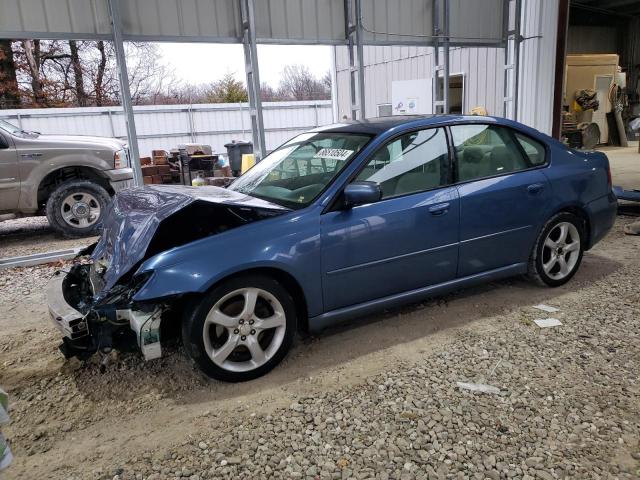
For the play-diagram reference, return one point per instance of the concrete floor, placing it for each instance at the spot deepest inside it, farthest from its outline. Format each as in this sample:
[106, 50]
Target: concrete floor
[625, 165]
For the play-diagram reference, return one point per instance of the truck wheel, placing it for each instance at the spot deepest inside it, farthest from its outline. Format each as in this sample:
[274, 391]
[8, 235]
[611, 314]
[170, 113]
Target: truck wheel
[75, 208]
[241, 329]
[558, 251]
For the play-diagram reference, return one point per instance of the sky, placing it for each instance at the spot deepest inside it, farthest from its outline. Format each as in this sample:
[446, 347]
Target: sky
[196, 63]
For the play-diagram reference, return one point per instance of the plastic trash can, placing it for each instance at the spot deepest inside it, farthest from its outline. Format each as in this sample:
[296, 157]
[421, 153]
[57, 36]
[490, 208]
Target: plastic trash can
[235, 150]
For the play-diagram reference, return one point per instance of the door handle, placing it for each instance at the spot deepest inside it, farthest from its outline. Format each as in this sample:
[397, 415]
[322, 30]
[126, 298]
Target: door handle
[30, 155]
[535, 188]
[439, 209]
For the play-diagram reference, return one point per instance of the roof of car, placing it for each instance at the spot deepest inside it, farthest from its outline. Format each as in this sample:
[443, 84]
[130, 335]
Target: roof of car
[378, 125]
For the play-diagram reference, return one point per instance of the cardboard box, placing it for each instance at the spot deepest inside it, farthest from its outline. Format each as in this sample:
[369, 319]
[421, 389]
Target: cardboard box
[157, 178]
[163, 169]
[158, 153]
[145, 160]
[160, 161]
[147, 179]
[167, 178]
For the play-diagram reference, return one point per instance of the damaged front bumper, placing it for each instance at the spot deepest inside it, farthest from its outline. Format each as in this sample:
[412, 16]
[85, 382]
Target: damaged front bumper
[89, 327]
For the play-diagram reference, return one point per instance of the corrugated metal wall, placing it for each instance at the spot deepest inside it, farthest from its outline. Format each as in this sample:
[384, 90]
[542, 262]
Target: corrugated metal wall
[166, 126]
[592, 39]
[483, 69]
[537, 64]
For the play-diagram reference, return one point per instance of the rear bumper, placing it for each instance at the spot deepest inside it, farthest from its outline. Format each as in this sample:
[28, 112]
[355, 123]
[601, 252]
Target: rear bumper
[602, 216]
[67, 319]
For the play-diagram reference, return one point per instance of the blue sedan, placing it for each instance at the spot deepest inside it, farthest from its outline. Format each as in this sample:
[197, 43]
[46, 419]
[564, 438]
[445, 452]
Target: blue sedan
[338, 222]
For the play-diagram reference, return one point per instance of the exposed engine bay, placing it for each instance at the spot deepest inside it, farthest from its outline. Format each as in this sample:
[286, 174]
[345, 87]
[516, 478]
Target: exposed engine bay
[93, 304]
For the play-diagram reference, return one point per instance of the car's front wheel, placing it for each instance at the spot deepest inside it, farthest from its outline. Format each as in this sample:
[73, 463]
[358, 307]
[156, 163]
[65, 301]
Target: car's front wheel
[75, 208]
[558, 251]
[241, 329]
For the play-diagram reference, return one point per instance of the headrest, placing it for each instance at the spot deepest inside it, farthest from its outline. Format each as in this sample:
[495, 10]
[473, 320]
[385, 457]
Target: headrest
[473, 154]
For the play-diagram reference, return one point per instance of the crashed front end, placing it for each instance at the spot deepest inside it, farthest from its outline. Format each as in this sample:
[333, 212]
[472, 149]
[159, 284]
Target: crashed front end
[115, 321]
[94, 305]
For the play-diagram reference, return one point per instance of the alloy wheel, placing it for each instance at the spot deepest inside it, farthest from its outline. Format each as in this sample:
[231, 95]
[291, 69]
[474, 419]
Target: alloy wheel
[244, 329]
[80, 210]
[561, 250]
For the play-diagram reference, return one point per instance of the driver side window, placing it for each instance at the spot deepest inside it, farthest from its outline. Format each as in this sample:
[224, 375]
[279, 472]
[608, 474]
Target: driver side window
[415, 162]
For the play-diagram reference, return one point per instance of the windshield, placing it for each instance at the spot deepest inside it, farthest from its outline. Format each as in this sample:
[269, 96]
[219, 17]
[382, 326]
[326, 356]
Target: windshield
[9, 128]
[297, 172]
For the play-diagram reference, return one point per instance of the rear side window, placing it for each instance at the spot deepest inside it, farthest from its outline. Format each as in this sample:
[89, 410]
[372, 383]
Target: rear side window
[534, 150]
[485, 150]
[415, 162]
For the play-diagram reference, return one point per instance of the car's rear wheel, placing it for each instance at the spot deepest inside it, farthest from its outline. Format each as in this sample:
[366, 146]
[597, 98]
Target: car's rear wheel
[558, 252]
[241, 329]
[76, 208]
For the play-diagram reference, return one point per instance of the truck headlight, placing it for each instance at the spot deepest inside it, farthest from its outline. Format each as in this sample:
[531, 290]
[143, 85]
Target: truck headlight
[120, 159]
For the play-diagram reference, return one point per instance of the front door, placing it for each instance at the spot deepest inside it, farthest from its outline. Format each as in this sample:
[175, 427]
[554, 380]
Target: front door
[9, 174]
[405, 241]
[504, 198]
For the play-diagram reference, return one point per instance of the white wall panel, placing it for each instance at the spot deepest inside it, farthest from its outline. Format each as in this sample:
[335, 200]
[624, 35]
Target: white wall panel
[537, 64]
[482, 68]
[166, 126]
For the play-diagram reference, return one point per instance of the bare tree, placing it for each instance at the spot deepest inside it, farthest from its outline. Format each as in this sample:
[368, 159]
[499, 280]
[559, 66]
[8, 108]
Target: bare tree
[78, 74]
[298, 83]
[9, 93]
[32, 54]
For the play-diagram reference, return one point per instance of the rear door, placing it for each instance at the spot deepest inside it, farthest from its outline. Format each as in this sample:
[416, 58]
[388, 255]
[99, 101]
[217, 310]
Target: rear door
[405, 241]
[9, 174]
[504, 196]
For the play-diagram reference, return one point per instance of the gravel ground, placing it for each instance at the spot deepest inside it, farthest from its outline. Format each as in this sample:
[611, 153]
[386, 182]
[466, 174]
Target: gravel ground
[376, 400]
[29, 235]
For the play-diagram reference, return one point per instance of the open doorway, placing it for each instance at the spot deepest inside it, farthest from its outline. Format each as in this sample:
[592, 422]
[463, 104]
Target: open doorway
[601, 87]
[456, 92]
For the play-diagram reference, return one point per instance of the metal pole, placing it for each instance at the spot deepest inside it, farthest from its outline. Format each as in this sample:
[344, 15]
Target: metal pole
[360, 53]
[445, 89]
[253, 77]
[121, 61]
[516, 58]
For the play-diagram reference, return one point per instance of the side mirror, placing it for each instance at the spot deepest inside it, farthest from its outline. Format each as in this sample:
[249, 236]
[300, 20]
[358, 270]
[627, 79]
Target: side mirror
[360, 193]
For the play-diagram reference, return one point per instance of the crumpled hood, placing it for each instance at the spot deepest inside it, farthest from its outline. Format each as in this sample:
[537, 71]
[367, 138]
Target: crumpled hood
[135, 215]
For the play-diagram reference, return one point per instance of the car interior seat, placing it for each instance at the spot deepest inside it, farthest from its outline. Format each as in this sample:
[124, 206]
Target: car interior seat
[418, 180]
[502, 160]
[470, 163]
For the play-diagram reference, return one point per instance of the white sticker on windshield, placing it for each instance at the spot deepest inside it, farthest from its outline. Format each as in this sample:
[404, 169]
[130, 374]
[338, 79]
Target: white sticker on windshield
[333, 153]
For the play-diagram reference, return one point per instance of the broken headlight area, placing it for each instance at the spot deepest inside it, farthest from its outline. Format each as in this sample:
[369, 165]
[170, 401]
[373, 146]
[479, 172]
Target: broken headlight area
[114, 321]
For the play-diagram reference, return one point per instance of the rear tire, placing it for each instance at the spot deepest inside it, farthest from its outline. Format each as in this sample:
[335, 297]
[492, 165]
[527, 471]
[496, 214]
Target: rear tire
[241, 329]
[558, 251]
[76, 208]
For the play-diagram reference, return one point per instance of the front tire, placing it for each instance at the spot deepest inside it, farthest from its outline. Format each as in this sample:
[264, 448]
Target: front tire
[76, 208]
[241, 329]
[558, 251]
